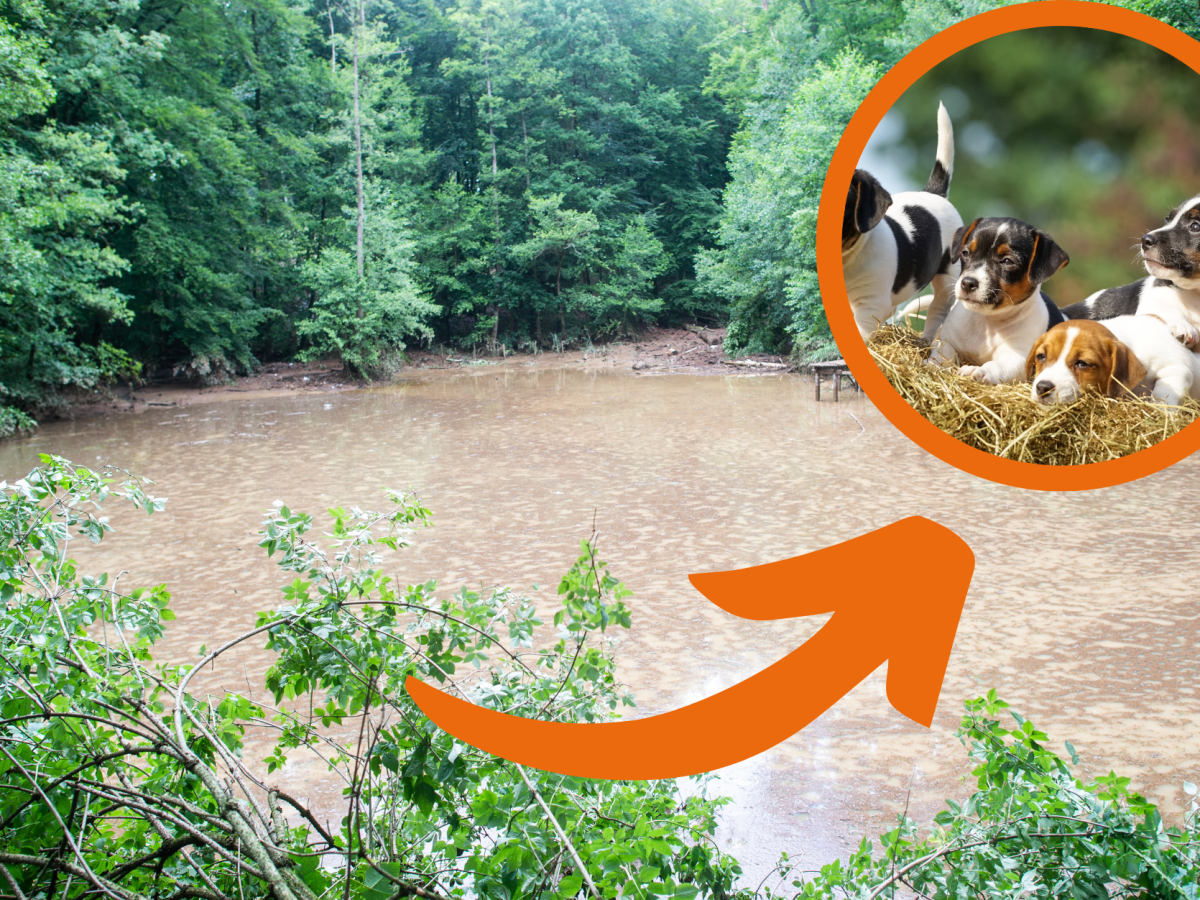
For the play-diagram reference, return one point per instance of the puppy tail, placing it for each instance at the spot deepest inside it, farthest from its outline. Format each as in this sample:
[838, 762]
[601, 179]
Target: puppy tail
[943, 169]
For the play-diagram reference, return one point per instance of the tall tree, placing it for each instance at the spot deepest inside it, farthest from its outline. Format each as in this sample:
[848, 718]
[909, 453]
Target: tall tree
[59, 201]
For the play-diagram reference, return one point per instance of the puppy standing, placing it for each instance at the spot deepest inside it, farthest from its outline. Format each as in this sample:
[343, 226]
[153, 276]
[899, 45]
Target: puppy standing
[1001, 310]
[1112, 357]
[1171, 254]
[884, 266]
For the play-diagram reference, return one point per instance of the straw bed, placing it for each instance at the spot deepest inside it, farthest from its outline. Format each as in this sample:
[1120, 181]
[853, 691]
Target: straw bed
[1003, 420]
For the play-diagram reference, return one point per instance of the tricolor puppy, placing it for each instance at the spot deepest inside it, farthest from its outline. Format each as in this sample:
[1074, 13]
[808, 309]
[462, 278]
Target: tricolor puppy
[1114, 358]
[1000, 310]
[1171, 255]
[893, 246]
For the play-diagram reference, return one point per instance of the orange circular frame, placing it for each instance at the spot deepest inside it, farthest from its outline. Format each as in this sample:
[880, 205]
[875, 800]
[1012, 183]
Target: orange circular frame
[829, 255]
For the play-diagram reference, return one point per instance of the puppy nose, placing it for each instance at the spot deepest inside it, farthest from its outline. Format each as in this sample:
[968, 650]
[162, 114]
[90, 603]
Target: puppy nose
[968, 283]
[1149, 240]
[1044, 387]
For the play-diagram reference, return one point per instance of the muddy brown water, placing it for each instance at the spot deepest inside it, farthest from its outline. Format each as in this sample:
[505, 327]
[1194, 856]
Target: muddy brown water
[1083, 612]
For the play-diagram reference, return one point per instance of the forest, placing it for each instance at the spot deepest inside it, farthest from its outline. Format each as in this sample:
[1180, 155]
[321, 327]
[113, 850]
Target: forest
[193, 188]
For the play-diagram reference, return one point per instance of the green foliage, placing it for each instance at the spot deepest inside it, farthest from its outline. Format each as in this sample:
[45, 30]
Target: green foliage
[13, 421]
[176, 180]
[58, 201]
[600, 106]
[364, 321]
[114, 779]
[1031, 829]
[766, 263]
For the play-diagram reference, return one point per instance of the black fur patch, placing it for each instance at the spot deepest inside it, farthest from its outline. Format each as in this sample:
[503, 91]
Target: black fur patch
[920, 258]
[939, 180]
[1118, 301]
[1056, 314]
[944, 266]
[866, 204]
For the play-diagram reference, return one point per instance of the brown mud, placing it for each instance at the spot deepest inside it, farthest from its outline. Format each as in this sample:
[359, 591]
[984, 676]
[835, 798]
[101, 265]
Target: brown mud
[694, 350]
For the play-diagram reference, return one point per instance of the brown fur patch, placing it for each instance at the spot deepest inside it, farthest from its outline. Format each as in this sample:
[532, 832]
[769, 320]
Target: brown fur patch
[1096, 359]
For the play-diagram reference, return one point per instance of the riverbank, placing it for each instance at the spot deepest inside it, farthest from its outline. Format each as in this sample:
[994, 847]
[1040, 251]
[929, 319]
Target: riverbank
[657, 351]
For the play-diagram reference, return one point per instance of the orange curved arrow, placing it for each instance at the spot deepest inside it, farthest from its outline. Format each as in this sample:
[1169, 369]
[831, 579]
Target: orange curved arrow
[884, 608]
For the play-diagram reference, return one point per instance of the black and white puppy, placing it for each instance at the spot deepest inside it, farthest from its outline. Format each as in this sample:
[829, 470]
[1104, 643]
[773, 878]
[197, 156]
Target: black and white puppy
[1171, 255]
[884, 266]
[1000, 310]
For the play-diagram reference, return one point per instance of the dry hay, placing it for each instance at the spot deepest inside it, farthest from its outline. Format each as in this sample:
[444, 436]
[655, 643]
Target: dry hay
[1003, 420]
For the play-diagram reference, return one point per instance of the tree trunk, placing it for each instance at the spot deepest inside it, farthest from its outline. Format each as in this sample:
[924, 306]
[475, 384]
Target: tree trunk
[562, 309]
[487, 62]
[332, 43]
[525, 135]
[358, 157]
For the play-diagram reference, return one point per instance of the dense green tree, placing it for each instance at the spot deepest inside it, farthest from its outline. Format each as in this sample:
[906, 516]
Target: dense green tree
[58, 200]
[766, 262]
[192, 187]
[366, 300]
[602, 106]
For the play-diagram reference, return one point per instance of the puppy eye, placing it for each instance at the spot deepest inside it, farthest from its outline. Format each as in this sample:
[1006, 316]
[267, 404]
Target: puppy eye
[1041, 357]
[1082, 364]
[1195, 226]
[966, 253]
[1009, 261]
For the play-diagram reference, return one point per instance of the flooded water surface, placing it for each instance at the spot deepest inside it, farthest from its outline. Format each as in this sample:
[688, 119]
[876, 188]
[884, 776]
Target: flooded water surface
[1083, 612]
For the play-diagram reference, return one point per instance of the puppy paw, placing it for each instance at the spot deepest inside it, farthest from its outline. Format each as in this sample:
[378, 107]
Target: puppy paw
[979, 373]
[1186, 335]
[1166, 395]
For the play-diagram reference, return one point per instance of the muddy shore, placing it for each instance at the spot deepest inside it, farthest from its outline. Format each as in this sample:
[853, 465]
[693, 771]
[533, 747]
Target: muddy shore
[657, 351]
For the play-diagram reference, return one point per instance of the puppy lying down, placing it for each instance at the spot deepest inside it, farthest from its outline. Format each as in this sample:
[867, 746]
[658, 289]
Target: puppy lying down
[1116, 357]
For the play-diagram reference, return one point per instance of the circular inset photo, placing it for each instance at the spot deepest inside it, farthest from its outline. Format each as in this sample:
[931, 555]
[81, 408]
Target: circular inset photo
[1020, 246]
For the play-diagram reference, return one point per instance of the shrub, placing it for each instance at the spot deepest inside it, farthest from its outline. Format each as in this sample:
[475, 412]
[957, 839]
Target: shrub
[115, 780]
[1031, 830]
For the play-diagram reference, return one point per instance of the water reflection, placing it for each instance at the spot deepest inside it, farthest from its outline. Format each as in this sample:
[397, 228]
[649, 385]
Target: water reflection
[1082, 612]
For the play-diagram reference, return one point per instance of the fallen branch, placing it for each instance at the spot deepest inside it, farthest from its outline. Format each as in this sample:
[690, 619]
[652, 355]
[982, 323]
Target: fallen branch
[753, 363]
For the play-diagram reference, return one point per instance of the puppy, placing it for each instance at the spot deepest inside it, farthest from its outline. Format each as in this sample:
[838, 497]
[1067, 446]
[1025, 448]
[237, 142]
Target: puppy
[884, 266]
[1000, 310]
[1113, 357]
[1171, 255]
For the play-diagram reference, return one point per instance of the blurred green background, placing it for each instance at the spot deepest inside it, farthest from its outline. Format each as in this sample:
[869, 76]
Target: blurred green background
[1088, 135]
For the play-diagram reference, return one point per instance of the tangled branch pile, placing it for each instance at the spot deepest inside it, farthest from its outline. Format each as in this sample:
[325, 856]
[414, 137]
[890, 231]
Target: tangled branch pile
[117, 782]
[1003, 420]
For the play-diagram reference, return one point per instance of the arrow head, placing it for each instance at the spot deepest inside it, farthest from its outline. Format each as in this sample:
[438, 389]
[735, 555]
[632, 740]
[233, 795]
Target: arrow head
[892, 610]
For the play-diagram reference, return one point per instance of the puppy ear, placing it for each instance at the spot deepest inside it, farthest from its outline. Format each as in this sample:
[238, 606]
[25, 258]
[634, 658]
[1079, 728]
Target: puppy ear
[956, 242]
[872, 200]
[1047, 258]
[1128, 372]
[1031, 361]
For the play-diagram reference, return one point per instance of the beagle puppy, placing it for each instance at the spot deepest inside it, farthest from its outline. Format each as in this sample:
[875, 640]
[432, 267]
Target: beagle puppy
[884, 266]
[1171, 254]
[1000, 310]
[1114, 357]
